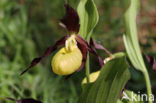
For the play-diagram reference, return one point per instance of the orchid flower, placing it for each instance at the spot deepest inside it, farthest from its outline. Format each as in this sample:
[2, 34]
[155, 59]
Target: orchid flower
[72, 56]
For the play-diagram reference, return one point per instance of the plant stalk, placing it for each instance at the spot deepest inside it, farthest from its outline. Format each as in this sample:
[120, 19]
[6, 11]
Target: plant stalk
[87, 61]
[148, 85]
[87, 69]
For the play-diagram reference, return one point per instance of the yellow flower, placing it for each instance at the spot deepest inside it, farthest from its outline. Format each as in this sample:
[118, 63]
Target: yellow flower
[93, 76]
[66, 62]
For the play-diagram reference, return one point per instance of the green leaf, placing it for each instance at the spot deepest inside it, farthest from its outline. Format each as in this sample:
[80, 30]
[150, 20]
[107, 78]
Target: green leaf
[119, 101]
[88, 17]
[124, 5]
[107, 88]
[132, 97]
[130, 38]
[132, 44]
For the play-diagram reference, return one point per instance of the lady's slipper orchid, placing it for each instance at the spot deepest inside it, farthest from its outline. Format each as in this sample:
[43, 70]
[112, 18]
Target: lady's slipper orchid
[93, 77]
[66, 62]
[73, 55]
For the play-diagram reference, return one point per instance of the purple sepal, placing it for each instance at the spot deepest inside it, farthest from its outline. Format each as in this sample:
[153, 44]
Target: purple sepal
[90, 49]
[26, 100]
[71, 19]
[46, 53]
[98, 46]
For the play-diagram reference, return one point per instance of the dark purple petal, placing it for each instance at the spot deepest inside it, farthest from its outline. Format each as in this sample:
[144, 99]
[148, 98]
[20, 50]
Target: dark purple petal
[83, 42]
[101, 62]
[122, 92]
[152, 61]
[46, 53]
[98, 46]
[84, 53]
[71, 19]
[93, 51]
[154, 65]
[28, 100]
[82, 65]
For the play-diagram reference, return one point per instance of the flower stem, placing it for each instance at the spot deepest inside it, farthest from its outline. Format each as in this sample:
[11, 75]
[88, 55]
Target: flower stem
[87, 61]
[87, 69]
[148, 85]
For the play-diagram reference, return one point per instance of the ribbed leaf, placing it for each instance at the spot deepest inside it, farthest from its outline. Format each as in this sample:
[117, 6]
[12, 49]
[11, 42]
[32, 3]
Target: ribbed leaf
[132, 44]
[71, 19]
[88, 15]
[130, 97]
[108, 86]
[130, 38]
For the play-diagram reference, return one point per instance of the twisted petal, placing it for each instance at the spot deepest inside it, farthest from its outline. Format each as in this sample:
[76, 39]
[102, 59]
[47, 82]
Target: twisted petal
[46, 53]
[80, 40]
[84, 54]
[88, 47]
[98, 46]
[71, 19]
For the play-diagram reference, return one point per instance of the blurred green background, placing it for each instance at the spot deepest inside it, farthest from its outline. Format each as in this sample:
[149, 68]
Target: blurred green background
[28, 27]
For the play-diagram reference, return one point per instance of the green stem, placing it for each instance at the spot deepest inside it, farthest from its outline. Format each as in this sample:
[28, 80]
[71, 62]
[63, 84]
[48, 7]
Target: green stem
[87, 61]
[148, 84]
[87, 69]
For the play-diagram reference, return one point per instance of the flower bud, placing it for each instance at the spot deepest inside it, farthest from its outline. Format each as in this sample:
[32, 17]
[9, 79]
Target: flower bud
[66, 62]
[93, 76]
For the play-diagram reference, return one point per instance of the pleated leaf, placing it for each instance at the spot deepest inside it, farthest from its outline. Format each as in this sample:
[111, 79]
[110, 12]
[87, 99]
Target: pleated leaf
[89, 17]
[132, 44]
[130, 97]
[130, 37]
[109, 85]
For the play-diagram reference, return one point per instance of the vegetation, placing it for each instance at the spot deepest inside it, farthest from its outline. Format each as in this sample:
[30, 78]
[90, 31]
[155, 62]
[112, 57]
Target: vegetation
[28, 27]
